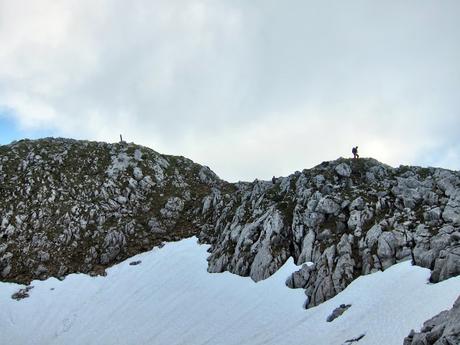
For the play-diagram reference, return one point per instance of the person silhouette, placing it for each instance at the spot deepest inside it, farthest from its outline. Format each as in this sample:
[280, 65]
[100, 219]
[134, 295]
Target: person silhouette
[355, 152]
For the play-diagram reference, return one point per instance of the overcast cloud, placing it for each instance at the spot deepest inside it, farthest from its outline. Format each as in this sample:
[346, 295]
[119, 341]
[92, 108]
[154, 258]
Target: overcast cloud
[250, 88]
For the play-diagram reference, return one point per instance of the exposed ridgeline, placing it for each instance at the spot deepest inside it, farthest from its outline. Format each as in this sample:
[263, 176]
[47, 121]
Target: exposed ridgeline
[347, 217]
[73, 206]
[76, 206]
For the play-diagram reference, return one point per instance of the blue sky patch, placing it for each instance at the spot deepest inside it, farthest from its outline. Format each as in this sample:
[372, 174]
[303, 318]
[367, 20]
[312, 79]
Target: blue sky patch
[10, 129]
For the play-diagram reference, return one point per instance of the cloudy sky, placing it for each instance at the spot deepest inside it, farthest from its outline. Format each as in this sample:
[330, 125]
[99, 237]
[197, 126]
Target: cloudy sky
[250, 88]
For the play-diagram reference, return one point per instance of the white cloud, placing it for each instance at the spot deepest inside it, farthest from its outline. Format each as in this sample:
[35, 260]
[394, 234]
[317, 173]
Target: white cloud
[250, 89]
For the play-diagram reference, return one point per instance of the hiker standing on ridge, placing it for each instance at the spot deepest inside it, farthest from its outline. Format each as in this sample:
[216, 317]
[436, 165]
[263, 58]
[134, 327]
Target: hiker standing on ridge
[354, 150]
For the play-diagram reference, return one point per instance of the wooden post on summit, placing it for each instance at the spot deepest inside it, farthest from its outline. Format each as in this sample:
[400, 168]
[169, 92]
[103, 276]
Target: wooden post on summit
[122, 143]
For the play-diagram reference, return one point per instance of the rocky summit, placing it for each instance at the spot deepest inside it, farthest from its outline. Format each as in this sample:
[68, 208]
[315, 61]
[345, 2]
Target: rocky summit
[77, 206]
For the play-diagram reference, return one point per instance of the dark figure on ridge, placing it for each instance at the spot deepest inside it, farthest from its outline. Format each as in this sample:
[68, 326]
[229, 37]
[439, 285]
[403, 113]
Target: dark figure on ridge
[355, 152]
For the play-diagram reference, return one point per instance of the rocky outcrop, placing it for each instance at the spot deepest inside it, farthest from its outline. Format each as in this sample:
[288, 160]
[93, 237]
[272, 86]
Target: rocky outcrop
[339, 220]
[73, 206]
[443, 328]
[337, 312]
[22, 293]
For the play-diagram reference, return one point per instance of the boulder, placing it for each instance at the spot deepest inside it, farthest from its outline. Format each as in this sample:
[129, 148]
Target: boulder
[337, 312]
[447, 264]
[328, 206]
[451, 213]
[343, 170]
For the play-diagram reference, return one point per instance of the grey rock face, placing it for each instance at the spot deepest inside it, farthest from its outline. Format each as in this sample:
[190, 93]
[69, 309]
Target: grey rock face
[5, 271]
[386, 249]
[328, 206]
[451, 212]
[357, 204]
[346, 226]
[443, 328]
[447, 264]
[300, 278]
[253, 253]
[343, 170]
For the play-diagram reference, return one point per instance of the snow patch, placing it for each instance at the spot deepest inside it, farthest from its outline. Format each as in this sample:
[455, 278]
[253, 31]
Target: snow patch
[171, 299]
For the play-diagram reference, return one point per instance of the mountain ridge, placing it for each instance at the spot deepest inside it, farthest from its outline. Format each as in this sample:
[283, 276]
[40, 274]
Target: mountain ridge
[79, 206]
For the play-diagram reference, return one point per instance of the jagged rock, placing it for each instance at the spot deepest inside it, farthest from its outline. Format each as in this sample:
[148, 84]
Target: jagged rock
[359, 218]
[5, 264]
[41, 269]
[300, 278]
[447, 181]
[43, 256]
[433, 214]
[357, 204]
[343, 170]
[447, 264]
[324, 235]
[252, 246]
[455, 236]
[328, 206]
[137, 173]
[451, 213]
[386, 249]
[321, 286]
[5, 271]
[207, 176]
[172, 208]
[443, 328]
[337, 312]
[62, 271]
[22, 293]
[307, 247]
[373, 235]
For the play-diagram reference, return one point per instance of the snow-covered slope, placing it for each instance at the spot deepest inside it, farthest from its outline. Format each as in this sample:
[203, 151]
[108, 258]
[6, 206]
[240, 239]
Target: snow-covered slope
[169, 298]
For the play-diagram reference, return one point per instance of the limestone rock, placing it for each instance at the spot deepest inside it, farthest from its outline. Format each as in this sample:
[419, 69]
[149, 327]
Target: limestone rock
[386, 249]
[443, 328]
[337, 312]
[343, 170]
[328, 206]
[451, 213]
[447, 264]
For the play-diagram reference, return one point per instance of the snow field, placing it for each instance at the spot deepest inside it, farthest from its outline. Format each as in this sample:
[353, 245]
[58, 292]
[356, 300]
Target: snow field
[171, 299]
